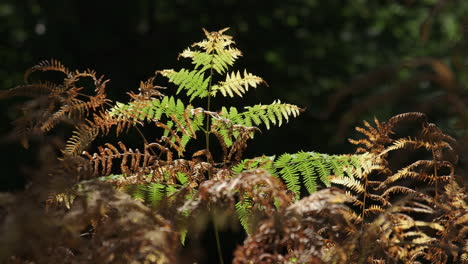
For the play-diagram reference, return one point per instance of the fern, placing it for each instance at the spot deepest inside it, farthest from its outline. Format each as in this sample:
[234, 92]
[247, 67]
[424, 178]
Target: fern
[194, 82]
[262, 188]
[259, 114]
[264, 162]
[156, 192]
[244, 210]
[210, 57]
[215, 54]
[307, 168]
[236, 84]
[176, 116]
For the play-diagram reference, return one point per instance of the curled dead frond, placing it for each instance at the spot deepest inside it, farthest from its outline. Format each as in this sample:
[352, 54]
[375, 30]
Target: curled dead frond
[387, 180]
[47, 65]
[263, 189]
[306, 232]
[111, 221]
[54, 103]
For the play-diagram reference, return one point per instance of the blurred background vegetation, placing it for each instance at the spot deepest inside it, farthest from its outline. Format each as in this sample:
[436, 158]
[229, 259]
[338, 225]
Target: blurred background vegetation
[343, 61]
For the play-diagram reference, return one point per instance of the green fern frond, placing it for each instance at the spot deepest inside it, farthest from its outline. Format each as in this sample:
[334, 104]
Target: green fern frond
[217, 46]
[155, 193]
[290, 174]
[303, 164]
[183, 236]
[138, 192]
[193, 82]
[199, 58]
[178, 117]
[275, 112]
[243, 210]
[236, 84]
[264, 162]
[308, 168]
[259, 114]
[220, 62]
[216, 54]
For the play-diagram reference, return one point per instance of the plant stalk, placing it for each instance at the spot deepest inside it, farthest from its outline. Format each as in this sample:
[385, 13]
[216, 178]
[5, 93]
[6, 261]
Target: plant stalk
[207, 146]
[218, 241]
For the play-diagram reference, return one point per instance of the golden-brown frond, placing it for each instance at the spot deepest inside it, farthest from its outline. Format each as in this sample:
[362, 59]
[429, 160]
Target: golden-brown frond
[29, 90]
[81, 138]
[47, 65]
[349, 183]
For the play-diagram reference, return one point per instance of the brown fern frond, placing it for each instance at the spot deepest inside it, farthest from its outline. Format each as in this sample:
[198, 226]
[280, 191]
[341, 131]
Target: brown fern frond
[179, 124]
[263, 189]
[204, 152]
[99, 83]
[144, 167]
[147, 91]
[380, 184]
[179, 147]
[85, 133]
[373, 209]
[375, 139]
[432, 133]
[29, 90]
[81, 138]
[404, 143]
[453, 216]
[222, 143]
[189, 123]
[350, 183]
[47, 65]
[163, 149]
[131, 161]
[240, 143]
[306, 232]
[406, 117]
[397, 189]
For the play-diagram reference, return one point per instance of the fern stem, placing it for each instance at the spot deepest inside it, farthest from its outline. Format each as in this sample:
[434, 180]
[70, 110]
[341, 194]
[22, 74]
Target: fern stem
[208, 108]
[218, 242]
[207, 146]
[435, 175]
[364, 203]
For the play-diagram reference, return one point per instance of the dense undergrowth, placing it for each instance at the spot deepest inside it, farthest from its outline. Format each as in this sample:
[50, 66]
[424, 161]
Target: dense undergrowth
[398, 199]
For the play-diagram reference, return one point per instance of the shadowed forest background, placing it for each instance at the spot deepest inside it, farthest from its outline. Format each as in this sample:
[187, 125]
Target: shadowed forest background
[342, 61]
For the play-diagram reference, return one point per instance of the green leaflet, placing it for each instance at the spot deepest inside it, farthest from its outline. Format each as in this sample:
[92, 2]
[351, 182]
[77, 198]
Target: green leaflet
[168, 110]
[194, 82]
[262, 114]
[306, 168]
[255, 115]
[289, 174]
[243, 210]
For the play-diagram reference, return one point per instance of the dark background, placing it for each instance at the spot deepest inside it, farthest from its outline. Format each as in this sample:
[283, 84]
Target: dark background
[343, 61]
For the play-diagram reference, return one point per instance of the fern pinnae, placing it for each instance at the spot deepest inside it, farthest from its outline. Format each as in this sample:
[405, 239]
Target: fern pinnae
[155, 193]
[306, 167]
[236, 84]
[47, 65]
[289, 173]
[243, 211]
[261, 114]
[350, 183]
[323, 168]
[194, 82]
